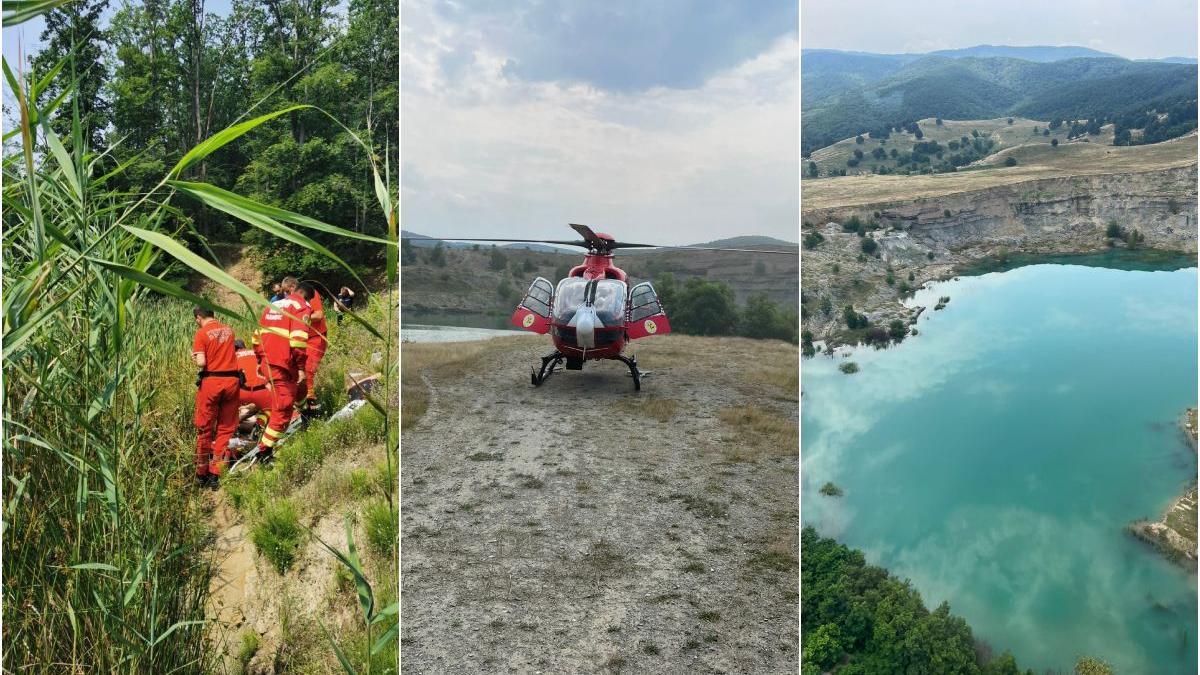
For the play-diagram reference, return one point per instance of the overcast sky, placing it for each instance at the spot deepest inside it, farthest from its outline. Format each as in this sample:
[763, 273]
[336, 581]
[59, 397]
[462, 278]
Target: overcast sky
[1135, 29]
[669, 122]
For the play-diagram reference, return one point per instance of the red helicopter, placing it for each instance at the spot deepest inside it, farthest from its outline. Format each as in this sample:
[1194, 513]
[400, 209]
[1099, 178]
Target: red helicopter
[592, 314]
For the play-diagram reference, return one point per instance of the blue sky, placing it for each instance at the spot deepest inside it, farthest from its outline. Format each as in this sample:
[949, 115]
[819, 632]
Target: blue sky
[674, 122]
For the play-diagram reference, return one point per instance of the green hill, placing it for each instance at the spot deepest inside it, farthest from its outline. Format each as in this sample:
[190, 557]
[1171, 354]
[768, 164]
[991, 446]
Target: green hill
[979, 88]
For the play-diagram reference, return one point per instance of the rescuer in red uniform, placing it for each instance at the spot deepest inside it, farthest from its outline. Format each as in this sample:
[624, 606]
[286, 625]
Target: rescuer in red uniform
[216, 395]
[282, 345]
[255, 390]
[317, 343]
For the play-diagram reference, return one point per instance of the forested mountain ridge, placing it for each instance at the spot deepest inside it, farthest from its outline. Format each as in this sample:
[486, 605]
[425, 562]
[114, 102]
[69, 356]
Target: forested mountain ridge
[849, 94]
[158, 77]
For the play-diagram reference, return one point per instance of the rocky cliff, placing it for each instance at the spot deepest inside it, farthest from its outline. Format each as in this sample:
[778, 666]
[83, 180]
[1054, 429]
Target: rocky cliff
[926, 238]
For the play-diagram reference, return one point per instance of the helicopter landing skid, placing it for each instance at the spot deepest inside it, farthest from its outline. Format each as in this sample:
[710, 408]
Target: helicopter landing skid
[631, 361]
[542, 375]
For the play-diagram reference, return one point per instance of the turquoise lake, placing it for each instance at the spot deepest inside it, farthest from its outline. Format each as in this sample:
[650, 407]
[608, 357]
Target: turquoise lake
[995, 458]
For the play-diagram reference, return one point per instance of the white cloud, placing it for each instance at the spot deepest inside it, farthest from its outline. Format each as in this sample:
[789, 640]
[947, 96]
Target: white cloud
[488, 154]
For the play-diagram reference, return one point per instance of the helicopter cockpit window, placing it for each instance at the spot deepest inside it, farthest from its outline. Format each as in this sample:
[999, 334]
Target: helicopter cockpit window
[609, 300]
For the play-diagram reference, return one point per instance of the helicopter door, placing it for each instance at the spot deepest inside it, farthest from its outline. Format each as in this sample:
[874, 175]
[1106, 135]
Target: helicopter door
[533, 314]
[646, 315]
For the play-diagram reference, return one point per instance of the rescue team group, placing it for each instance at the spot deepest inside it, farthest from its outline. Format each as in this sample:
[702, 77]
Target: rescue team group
[268, 385]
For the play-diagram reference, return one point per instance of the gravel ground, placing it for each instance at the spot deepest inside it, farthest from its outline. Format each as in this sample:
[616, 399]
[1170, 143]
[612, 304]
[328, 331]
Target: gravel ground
[582, 528]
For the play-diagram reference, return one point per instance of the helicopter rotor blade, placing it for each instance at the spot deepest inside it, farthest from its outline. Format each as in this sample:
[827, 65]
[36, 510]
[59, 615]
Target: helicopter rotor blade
[585, 232]
[581, 244]
[621, 244]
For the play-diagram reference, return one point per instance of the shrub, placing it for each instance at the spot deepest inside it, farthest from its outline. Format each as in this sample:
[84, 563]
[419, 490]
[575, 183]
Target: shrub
[849, 367]
[813, 239]
[831, 490]
[1011, 161]
[1113, 231]
[277, 534]
[1054, 142]
[897, 330]
[869, 246]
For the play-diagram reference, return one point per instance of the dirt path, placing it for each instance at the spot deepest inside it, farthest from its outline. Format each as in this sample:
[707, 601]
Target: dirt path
[236, 261]
[233, 555]
[569, 529]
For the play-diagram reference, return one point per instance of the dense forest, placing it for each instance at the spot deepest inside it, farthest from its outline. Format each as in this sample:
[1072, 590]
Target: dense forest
[857, 619]
[864, 93]
[156, 78]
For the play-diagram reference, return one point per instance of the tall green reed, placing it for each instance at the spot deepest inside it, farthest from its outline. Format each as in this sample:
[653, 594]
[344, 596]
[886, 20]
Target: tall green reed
[104, 565]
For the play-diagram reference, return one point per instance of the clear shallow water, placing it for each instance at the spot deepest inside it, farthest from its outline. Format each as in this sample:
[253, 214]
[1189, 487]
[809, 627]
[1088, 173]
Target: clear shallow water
[994, 460]
[431, 333]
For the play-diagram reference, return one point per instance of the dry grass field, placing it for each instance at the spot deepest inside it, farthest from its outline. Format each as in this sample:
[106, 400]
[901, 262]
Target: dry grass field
[1035, 161]
[582, 527]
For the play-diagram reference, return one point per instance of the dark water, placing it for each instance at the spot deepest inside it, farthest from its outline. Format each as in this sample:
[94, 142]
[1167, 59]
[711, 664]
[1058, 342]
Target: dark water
[995, 459]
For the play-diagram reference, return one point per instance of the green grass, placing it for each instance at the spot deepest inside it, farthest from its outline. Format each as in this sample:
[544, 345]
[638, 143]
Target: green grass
[249, 646]
[382, 529]
[277, 535]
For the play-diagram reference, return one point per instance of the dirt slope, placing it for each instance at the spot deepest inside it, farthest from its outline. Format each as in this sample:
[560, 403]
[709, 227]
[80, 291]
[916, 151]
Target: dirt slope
[580, 527]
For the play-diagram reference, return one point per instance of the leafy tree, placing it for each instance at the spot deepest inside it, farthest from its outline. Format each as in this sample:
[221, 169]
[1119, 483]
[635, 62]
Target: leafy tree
[859, 139]
[813, 239]
[879, 153]
[881, 624]
[1045, 132]
[1010, 120]
[1113, 231]
[897, 330]
[498, 260]
[437, 255]
[763, 319]
[705, 308]
[938, 121]
[1054, 142]
[77, 26]
[858, 154]
[869, 245]
[919, 134]
[824, 648]
[812, 169]
[1010, 161]
[1091, 666]
[826, 306]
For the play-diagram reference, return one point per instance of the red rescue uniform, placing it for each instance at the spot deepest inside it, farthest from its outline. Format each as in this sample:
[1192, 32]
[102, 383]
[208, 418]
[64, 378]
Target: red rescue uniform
[282, 344]
[216, 398]
[317, 342]
[255, 388]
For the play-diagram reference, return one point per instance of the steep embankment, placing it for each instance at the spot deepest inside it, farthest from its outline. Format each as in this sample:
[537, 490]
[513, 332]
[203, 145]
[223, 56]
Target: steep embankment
[582, 527]
[1174, 534]
[276, 589]
[927, 226]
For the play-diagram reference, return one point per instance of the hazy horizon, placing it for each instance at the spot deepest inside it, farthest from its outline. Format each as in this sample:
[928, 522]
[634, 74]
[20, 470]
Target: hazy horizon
[1152, 29]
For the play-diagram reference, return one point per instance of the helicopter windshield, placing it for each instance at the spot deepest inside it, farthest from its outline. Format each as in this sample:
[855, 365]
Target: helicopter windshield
[609, 300]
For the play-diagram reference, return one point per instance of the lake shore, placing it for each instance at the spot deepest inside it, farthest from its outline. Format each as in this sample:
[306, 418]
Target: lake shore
[1174, 534]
